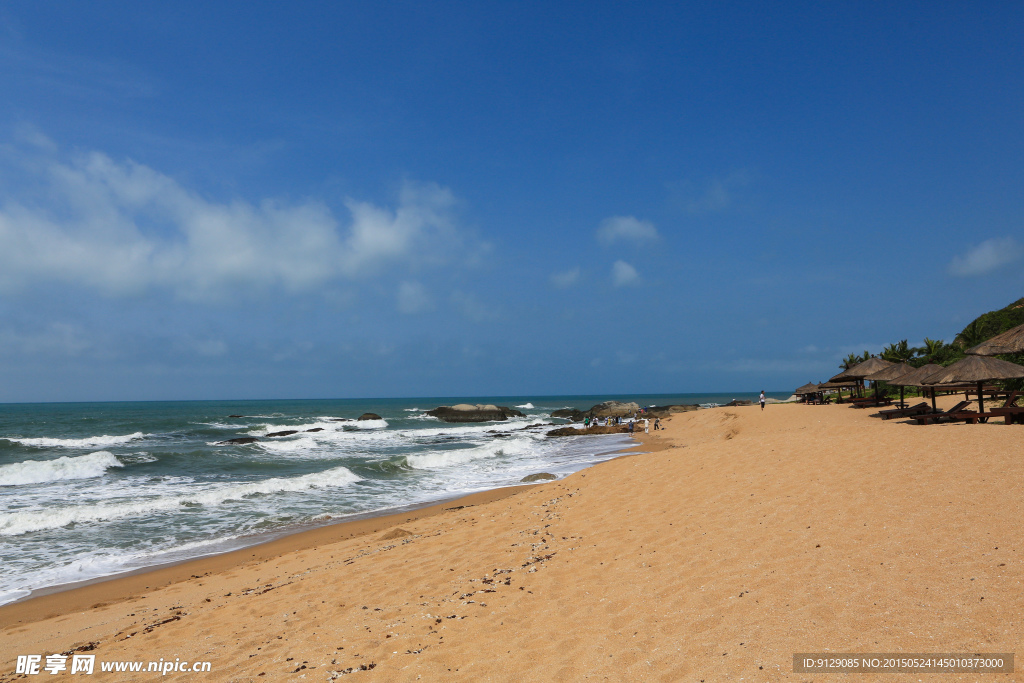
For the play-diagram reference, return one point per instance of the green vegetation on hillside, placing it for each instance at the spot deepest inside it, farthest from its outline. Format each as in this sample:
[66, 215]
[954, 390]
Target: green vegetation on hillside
[982, 328]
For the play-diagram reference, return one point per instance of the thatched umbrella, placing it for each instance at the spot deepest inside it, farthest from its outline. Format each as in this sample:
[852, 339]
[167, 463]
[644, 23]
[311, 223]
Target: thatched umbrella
[807, 390]
[978, 369]
[917, 377]
[890, 373]
[1011, 341]
[838, 386]
[862, 370]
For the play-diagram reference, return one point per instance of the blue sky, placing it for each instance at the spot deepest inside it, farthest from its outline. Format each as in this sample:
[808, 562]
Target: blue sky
[273, 200]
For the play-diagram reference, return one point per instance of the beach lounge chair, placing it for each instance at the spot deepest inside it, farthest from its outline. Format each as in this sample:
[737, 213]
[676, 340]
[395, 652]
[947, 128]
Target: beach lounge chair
[919, 409]
[941, 416]
[972, 416]
[1010, 414]
[873, 402]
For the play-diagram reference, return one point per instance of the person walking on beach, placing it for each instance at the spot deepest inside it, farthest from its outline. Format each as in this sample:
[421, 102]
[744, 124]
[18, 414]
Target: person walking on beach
[647, 426]
[657, 423]
[761, 399]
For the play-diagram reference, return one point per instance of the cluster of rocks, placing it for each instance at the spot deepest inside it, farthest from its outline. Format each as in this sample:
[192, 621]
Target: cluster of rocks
[464, 412]
[620, 409]
[242, 440]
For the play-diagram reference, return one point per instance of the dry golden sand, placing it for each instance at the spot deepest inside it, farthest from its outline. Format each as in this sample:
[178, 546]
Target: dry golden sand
[747, 537]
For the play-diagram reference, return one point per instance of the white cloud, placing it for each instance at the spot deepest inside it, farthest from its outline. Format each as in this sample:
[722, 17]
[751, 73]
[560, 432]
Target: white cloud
[413, 298]
[624, 274]
[125, 228]
[566, 279]
[627, 229]
[988, 256]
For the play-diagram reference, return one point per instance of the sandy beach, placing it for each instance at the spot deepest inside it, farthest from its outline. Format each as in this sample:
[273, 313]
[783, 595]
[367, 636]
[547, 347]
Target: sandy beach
[737, 539]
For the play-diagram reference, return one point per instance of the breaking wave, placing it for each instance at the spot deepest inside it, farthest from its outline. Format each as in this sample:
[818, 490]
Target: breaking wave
[62, 468]
[88, 442]
[16, 523]
[460, 456]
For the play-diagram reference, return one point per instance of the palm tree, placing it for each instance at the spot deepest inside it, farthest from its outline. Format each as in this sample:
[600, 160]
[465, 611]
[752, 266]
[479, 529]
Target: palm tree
[932, 347]
[853, 359]
[972, 335]
[900, 352]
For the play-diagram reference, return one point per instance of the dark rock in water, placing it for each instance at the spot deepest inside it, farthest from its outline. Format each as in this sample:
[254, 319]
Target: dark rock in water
[369, 416]
[613, 409]
[240, 440]
[591, 431]
[569, 414]
[287, 432]
[464, 412]
[540, 476]
[230, 416]
[315, 429]
[738, 402]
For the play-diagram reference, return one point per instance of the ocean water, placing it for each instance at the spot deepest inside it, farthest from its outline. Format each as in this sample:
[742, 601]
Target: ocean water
[93, 489]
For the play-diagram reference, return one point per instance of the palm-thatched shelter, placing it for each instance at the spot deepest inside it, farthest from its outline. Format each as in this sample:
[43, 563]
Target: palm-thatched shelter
[978, 369]
[894, 371]
[917, 378]
[837, 386]
[1011, 341]
[862, 370]
[807, 391]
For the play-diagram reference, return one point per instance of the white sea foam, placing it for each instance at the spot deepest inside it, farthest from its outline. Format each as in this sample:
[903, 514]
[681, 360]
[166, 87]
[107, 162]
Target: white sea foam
[16, 523]
[62, 468]
[432, 459]
[88, 442]
[367, 424]
[526, 406]
[413, 410]
[287, 445]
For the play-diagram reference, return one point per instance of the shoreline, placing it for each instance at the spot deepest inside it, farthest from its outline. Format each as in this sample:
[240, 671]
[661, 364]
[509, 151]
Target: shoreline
[59, 599]
[737, 538]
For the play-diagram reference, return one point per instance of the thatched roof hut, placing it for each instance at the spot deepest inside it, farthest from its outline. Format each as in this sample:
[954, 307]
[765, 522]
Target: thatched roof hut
[977, 369]
[809, 388]
[862, 370]
[917, 376]
[890, 373]
[1011, 341]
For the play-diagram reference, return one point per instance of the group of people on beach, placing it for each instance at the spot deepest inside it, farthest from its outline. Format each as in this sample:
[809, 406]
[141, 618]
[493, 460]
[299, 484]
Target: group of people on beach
[631, 421]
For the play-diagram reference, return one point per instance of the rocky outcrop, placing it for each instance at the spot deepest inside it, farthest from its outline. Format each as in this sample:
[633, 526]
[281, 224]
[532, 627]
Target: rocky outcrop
[590, 431]
[738, 402]
[540, 476]
[613, 409]
[369, 416]
[572, 414]
[667, 411]
[287, 432]
[239, 440]
[464, 412]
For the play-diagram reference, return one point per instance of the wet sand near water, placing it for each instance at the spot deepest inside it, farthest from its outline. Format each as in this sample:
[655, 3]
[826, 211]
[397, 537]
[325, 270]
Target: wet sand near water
[737, 539]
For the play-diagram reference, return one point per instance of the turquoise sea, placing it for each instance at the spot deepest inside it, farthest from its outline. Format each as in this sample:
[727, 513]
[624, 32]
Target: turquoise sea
[93, 489]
